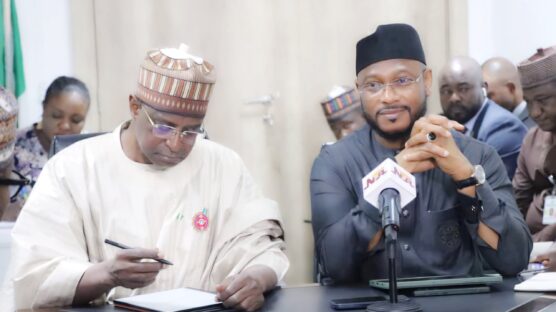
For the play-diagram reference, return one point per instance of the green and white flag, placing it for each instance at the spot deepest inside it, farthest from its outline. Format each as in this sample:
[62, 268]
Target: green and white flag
[11, 56]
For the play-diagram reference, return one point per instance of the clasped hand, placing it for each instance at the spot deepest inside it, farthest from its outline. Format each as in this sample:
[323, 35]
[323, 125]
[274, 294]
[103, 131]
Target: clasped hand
[420, 154]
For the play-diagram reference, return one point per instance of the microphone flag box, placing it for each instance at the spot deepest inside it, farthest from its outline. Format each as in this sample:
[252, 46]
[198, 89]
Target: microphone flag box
[388, 175]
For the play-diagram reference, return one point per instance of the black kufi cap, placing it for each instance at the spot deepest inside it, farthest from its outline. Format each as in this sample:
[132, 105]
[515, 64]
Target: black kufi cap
[392, 41]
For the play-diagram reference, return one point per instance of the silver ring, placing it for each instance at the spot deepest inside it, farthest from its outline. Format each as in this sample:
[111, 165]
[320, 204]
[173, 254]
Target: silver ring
[431, 136]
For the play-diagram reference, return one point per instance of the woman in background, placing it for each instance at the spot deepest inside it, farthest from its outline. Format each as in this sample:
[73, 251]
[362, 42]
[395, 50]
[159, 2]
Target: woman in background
[65, 107]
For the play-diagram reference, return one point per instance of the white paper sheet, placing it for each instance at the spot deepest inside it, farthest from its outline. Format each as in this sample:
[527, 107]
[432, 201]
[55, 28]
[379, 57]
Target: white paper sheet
[172, 300]
[540, 282]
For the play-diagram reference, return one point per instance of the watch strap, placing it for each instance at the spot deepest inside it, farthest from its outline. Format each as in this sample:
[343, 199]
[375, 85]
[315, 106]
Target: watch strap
[466, 182]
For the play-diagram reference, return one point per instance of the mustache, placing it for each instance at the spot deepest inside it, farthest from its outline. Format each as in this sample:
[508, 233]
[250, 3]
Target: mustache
[456, 104]
[390, 107]
[458, 107]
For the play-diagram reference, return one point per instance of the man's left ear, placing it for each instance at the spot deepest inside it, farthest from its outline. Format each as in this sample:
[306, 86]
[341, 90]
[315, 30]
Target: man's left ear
[511, 87]
[134, 107]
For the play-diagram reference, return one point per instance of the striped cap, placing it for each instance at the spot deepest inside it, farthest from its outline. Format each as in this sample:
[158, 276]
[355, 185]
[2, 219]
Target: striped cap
[8, 121]
[174, 81]
[539, 68]
[339, 102]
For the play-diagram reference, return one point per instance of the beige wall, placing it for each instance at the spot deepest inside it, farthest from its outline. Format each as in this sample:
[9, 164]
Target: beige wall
[297, 48]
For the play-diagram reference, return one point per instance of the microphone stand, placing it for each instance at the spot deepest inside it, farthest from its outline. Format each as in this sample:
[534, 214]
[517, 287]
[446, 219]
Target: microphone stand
[391, 241]
[389, 201]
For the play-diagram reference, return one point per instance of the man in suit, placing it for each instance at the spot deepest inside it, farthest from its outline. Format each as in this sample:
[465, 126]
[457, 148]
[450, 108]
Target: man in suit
[464, 100]
[503, 87]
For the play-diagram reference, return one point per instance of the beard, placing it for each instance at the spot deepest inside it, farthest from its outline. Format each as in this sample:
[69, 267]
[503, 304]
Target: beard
[461, 113]
[398, 135]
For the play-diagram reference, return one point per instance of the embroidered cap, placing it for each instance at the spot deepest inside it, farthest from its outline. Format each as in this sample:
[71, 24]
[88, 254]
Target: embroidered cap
[339, 102]
[391, 41]
[538, 69]
[8, 120]
[174, 81]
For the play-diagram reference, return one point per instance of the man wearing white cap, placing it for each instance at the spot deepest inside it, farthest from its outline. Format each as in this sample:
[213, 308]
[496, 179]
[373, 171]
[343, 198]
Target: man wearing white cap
[154, 183]
[342, 108]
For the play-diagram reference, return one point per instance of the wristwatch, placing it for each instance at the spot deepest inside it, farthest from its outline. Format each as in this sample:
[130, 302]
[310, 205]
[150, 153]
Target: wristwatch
[477, 178]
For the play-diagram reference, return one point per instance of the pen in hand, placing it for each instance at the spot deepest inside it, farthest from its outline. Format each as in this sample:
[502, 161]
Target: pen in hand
[122, 246]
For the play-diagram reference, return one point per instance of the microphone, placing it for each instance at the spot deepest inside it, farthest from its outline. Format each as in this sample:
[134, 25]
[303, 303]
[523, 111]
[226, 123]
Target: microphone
[389, 187]
[389, 204]
[382, 184]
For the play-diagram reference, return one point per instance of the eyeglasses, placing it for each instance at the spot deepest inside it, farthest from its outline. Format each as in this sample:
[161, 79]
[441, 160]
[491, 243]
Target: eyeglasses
[374, 87]
[16, 185]
[166, 132]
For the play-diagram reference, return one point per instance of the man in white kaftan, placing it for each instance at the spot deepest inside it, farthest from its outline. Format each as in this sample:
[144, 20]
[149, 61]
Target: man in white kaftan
[188, 197]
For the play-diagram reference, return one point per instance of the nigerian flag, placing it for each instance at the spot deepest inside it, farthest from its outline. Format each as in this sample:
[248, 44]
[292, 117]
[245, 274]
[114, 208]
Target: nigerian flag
[11, 57]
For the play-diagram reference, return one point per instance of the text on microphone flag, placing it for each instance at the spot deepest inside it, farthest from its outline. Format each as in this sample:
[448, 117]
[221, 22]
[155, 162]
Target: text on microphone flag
[389, 174]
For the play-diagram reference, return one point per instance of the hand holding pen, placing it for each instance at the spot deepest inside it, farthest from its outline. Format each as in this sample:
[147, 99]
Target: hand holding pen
[126, 269]
[122, 246]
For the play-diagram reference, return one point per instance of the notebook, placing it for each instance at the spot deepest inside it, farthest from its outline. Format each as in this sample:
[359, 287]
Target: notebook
[180, 299]
[540, 282]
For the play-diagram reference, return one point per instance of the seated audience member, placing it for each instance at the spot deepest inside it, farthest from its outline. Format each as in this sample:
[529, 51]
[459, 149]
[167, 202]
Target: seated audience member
[504, 88]
[537, 160]
[342, 108]
[8, 121]
[458, 217]
[65, 107]
[156, 184]
[462, 96]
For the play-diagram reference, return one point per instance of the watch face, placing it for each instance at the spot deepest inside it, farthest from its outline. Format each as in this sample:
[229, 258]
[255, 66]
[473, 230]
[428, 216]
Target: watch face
[480, 174]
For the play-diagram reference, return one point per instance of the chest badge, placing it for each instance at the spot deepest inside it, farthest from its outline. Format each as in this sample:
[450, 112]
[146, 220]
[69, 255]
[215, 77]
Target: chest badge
[200, 220]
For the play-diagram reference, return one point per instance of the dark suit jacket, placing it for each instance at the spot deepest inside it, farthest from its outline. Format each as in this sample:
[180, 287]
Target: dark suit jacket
[505, 132]
[528, 121]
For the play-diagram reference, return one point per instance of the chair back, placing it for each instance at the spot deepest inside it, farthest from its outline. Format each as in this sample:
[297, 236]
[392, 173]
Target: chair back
[60, 142]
